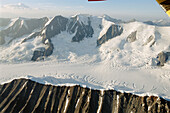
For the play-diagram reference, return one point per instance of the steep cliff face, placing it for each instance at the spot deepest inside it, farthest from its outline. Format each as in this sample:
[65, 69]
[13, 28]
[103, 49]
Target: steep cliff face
[81, 29]
[37, 39]
[132, 37]
[54, 27]
[57, 25]
[113, 31]
[24, 95]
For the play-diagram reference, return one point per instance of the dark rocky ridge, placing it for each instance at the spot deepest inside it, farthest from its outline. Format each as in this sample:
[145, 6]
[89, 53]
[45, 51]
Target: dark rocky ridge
[23, 95]
[113, 31]
[82, 29]
[79, 25]
[42, 52]
[57, 25]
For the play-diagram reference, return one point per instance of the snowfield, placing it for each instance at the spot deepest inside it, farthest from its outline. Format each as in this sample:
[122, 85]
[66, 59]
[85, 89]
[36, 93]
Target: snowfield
[149, 81]
[116, 64]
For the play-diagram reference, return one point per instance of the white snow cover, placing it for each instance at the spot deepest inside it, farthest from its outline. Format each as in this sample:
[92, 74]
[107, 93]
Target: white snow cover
[106, 24]
[23, 24]
[117, 64]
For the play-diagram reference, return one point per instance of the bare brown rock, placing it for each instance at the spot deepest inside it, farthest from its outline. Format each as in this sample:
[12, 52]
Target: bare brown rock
[26, 96]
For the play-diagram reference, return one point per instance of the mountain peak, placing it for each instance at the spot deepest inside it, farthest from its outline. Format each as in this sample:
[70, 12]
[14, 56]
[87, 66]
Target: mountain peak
[108, 18]
[82, 18]
[82, 15]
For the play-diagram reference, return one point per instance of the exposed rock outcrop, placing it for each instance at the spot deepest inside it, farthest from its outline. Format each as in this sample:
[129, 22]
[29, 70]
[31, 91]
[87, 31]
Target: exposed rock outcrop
[24, 95]
[113, 31]
[57, 25]
[80, 28]
[39, 52]
[162, 58]
[132, 37]
[42, 52]
[149, 40]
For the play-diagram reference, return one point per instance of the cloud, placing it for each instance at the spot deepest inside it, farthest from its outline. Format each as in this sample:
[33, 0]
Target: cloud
[49, 10]
[16, 6]
[22, 10]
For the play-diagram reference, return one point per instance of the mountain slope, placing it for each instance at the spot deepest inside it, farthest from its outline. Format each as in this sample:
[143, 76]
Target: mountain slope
[100, 50]
[24, 95]
[20, 27]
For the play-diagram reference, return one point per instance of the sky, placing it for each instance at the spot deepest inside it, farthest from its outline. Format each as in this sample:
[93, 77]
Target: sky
[121, 9]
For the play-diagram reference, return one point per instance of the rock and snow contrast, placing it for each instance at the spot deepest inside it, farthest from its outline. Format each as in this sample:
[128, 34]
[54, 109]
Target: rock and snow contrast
[90, 51]
[26, 96]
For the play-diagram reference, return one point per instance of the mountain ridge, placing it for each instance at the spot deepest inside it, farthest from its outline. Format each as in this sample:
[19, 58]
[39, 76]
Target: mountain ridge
[90, 49]
[23, 95]
[79, 27]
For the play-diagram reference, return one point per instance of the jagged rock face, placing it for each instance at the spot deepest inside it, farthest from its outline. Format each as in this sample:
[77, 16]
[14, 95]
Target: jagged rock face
[162, 58]
[55, 27]
[38, 53]
[132, 37]
[42, 52]
[113, 31]
[59, 24]
[81, 29]
[22, 27]
[24, 95]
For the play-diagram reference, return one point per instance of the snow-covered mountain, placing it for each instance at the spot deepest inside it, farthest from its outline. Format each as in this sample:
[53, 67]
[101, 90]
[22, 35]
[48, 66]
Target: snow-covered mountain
[162, 22]
[104, 51]
[40, 38]
[18, 27]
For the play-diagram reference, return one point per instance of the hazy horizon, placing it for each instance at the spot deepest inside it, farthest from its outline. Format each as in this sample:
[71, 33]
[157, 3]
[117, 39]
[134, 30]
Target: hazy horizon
[140, 10]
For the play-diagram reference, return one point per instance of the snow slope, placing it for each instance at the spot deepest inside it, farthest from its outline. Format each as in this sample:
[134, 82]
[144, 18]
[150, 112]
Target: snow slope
[116, 64]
